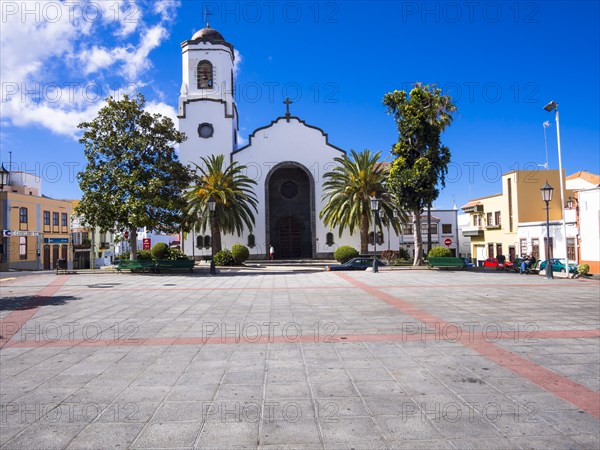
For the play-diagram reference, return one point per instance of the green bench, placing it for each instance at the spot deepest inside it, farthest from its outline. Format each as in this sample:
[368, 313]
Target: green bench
[178, 264]
[446, 262]
[138, 265]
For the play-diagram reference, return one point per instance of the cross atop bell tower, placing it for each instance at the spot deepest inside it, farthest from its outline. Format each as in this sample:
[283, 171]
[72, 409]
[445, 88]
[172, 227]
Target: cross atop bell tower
[287, 102]
[206, 13]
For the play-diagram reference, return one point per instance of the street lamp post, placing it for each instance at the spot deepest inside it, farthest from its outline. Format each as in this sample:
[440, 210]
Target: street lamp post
[546, 191]
[211, 208]
[375, 208]
[553, 106]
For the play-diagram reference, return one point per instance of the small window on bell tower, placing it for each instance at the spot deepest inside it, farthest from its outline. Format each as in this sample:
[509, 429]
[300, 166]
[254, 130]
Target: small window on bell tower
[204, 73]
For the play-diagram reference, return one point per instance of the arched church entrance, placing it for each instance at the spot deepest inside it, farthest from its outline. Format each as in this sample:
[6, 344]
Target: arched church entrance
[290, 211]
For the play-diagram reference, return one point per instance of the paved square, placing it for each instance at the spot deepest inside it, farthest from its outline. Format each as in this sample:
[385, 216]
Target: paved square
[271, 360]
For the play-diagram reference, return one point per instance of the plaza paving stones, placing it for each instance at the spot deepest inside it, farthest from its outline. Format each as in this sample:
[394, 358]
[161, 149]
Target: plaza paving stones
[291, 360]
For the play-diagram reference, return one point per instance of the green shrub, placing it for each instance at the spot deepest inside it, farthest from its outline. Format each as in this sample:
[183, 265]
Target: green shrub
[240, 253]
[403, 254]
[159, 250]
[439, 252]
[144, 255]
[175, 254]
[224, 258]
[345, 253]
[583, 269]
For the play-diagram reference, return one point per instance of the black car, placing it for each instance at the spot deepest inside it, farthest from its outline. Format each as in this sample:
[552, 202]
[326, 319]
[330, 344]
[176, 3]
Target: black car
[355, 264]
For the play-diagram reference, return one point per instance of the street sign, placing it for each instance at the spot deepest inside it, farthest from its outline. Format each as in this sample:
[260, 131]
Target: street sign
[146, 243]
[126, 235]
[448, 242]
[56, 240]
[9, 233]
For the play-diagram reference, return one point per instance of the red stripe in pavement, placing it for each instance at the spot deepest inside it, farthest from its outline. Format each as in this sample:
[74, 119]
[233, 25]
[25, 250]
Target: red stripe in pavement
[575, 393]
[13, 322]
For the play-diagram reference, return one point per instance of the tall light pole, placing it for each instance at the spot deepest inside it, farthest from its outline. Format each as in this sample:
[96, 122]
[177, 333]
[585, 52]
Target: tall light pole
[553, 106]
[546, 191]
[375, 208]
[211, 211]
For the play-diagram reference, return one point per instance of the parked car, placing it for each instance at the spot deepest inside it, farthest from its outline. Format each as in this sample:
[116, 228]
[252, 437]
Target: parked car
[558, 265]
[498, 264]
[355, 264]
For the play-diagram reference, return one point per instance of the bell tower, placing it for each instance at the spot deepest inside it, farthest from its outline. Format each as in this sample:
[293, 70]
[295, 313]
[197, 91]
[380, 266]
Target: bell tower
[207, 112]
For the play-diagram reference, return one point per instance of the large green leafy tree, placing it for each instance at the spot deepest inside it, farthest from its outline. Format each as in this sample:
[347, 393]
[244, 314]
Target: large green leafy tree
[233, 193]
[348, 191]
[133, 178]
[421, 162]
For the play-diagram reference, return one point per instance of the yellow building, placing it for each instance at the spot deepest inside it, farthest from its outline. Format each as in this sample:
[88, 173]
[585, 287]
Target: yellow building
[35, 229]
[513, 223]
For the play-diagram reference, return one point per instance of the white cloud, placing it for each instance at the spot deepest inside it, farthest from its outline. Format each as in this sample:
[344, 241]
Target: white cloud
[58, 62]
[96, 59]
[162, 108]
[237, 61]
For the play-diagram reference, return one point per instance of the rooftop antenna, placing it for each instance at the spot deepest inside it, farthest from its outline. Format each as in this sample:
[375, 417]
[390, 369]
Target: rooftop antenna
[546, 124]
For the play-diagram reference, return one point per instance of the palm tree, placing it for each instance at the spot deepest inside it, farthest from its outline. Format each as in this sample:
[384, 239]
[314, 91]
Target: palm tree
[348, 191]
[233, 193]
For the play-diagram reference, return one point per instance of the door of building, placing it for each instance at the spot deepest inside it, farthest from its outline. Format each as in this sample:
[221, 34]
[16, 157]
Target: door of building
[290, 233]
[55, 250]
[47, 265]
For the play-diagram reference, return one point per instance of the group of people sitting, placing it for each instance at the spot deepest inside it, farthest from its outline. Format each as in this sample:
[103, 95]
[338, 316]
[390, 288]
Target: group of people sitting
[528, 262]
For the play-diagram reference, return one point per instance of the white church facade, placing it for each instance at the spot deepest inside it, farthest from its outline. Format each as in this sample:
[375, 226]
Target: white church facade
[287, 158]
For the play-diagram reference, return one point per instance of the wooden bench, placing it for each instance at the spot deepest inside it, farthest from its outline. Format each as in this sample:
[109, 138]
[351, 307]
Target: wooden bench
[446, 262]
[136, 265]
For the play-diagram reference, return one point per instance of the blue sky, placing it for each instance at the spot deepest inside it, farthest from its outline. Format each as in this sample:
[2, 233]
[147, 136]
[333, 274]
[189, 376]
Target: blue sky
[501, 61]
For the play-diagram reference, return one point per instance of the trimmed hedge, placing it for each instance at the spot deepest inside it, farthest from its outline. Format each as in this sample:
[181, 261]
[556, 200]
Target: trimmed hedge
[345, 253]
[159, 250]
[439, 252]
[240, 253]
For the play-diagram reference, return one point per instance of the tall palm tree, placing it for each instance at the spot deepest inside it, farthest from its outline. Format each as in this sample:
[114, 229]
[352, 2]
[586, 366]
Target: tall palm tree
[233, 193]
[348, 191]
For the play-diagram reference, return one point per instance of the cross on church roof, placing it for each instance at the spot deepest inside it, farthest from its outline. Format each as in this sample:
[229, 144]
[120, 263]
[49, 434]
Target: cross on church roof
[287, 108]
[206, 14]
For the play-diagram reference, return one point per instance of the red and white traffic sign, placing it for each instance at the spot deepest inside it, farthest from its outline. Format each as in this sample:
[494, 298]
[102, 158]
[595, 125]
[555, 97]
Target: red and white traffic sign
[448, 242]
[146, 243]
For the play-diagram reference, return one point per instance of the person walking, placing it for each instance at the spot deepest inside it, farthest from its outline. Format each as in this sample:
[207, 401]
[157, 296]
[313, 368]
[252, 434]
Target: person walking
[271, 252]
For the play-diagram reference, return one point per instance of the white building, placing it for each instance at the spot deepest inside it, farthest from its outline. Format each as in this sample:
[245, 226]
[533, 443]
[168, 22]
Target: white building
[287, 158]
[588, 208]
